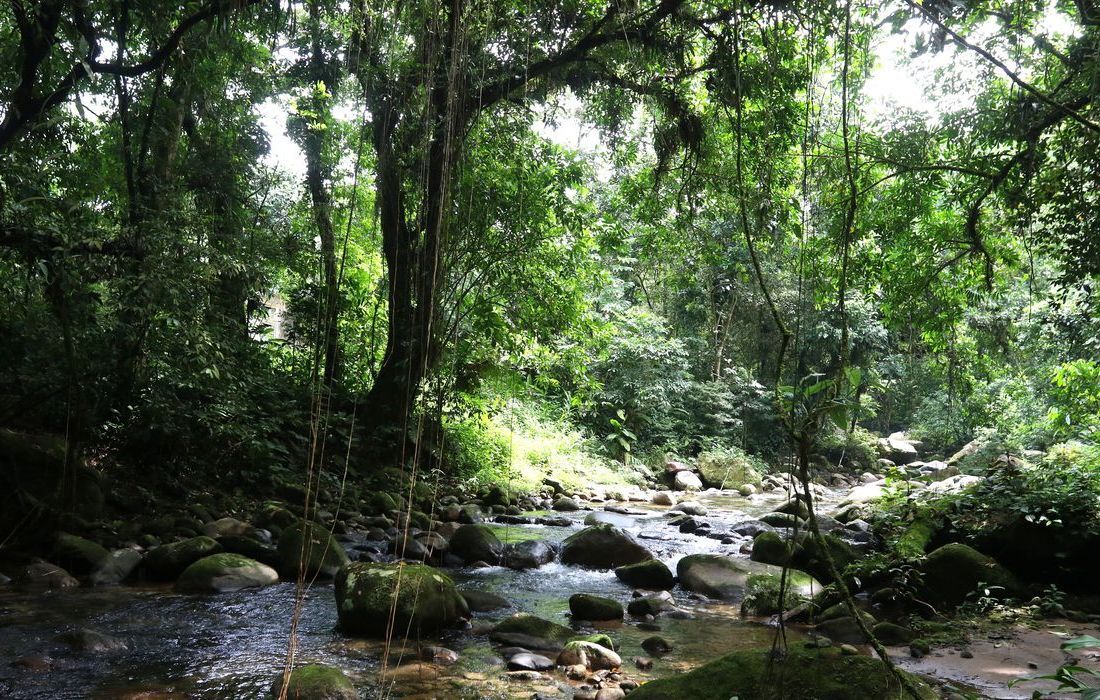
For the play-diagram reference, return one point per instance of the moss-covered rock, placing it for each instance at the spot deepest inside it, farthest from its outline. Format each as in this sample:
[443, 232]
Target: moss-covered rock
[783, 520]
[954, 571]
[78, 555]
[583, 606]
[423, 599]
[806, 674]
[603, 547]
[593, 656]
[771, 548]
[310, 546]
[762, 595]
[220, 573]
[168, 561]
[531, 632]
[477, 543]
[716, 576]
[730, 468]
[316, 682]
[651, 575]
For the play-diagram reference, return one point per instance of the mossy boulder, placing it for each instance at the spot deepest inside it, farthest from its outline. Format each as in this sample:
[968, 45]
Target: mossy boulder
[731, 468]
[593, 656]
[423, 599]
[316, 682]
[762, 595]
[583, 606]
[771, 548]
[311, 546]
[380, 503]
[776, 519]
[805, 674]
[477, 543]
[80, 556]
[220, 573]
[717, 576]
[531, 632]
[651, 575]
[603, 546]
[954, 571]
[168, 561]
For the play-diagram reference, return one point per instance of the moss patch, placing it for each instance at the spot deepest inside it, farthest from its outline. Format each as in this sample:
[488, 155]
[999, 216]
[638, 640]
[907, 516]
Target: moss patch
[803, 675]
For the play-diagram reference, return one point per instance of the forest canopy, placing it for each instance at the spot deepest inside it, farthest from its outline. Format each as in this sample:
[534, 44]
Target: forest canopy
[235, 234]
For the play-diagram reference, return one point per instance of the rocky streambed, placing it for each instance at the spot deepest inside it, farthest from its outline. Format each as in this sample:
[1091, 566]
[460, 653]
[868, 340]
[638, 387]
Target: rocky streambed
[166, 641]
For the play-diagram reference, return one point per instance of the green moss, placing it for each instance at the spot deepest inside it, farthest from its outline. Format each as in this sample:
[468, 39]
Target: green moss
[592, 607]
[224, 572]
[168, 561]
[603, 640]
[531, 626]
[421, 598]
[316, 682]
[913, 541]
[954, 571]
[77, 554]
[310, 545]
[729, 468]
[804, 675]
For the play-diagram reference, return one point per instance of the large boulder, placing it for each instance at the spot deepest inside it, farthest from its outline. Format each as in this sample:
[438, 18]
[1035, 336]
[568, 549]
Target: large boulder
[954, 571]
[716, 576]
[421, 599]
[310, 546]
[78, 555]
[898, 449]
[476, 543]
[116, 568]
[531, 632]
[687, 481]
[316, 682]
[529, 554]
[603, 547]
[168, 561]
[583, 606]
[804, 674]
[221, 573]
[651, 575]
[728, 469]
[592, 656]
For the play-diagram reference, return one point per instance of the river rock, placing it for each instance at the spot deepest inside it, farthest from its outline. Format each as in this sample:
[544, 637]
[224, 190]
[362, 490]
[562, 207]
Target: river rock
[483, 601]
[90, 641]
[47, 575]
[720, 577]
[224, 527]
[76, 554]
[426, 599]
[843, 630]
[953, 572]
[650, 604]
[690, 508]
[527, 661]
[892, 634]
[603, 547]
[651, 574]
[822, 674]
[657, 646]
[529, 554]
[168, 561]
[787, 520]
[661, 498]
[316, 682]
[750, 528]
[865, 493]
[566, 504]
[531, 632]
[251, 548]
[221, 573]
[771, 548]
[687, 481]
[309, 545]
[898, 449]
[589, 654]
[476, 543]
[583, 606]
[116, 568]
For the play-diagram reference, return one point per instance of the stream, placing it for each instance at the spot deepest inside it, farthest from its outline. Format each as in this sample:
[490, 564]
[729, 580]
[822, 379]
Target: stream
[232, 645]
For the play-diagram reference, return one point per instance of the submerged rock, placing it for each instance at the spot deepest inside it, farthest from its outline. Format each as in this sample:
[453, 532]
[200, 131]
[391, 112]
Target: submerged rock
[583, 606]
[316, 682]
[809, 674]
[603, 547]
[309, 545]
[221, 573]
[90, 641]
[426, 599]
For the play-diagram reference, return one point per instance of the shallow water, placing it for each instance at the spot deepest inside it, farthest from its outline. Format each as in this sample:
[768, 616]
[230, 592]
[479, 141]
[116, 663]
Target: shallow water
[233, 645]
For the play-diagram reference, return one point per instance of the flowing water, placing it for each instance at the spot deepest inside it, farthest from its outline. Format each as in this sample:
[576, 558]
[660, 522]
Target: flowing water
[233, 645]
